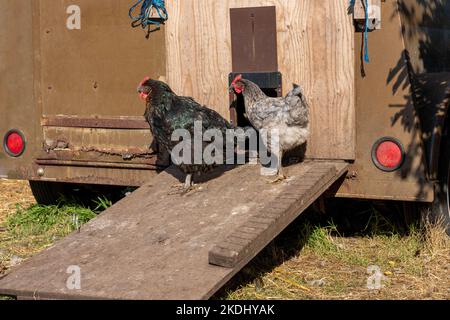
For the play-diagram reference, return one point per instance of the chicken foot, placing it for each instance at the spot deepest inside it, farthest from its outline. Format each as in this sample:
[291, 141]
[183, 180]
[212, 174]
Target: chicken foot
[280, 172]
[280, 177]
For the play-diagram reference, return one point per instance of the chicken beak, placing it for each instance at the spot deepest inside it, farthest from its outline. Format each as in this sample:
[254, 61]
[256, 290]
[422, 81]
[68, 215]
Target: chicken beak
[142, 93]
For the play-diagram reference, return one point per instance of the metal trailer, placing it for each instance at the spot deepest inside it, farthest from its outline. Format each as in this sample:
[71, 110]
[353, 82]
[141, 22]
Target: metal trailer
[68, 102]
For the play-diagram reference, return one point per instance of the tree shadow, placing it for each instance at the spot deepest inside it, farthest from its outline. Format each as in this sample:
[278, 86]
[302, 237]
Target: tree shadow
[423, 68]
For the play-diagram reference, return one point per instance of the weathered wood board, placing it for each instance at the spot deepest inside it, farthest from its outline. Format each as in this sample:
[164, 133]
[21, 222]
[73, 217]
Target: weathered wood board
[315, 49]
[258, 231]
[153, 245]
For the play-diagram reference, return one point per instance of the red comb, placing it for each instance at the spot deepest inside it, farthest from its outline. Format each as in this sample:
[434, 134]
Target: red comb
[238, 78]
[144, 81]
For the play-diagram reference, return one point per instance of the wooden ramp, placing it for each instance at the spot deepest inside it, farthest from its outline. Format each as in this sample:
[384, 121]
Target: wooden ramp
[153, 245]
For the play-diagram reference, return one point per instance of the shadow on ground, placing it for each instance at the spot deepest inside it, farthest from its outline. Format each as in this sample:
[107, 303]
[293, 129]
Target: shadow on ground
[346, 218]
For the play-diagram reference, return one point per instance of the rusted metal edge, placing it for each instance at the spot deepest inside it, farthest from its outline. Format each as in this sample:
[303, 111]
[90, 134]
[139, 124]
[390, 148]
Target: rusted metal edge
[110, 165]
[135, 123]
[99, 155]
[47, 296]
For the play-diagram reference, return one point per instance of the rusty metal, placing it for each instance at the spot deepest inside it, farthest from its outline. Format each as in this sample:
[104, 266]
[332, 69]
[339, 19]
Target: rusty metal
[97, 123]
[131, 158]
[129, 154]
[121, 165]
[89, 175]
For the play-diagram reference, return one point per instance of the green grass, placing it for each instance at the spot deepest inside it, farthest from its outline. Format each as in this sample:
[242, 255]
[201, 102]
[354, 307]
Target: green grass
[412, 256]
[30, 230]
[56, 220]
[344, 271]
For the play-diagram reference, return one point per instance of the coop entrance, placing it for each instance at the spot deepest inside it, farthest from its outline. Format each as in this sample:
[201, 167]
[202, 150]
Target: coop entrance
[254, 54]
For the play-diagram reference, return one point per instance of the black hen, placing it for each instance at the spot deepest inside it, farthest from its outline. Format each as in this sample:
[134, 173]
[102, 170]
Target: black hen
[167, 112]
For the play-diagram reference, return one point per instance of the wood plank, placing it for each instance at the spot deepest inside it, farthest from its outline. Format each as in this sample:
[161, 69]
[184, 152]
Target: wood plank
[315, 49]
[153, 245]
[228, 257]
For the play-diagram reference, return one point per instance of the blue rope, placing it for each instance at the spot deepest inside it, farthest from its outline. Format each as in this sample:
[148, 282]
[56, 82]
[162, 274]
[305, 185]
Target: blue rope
[366, 29]
[366, 35]
[145, 18]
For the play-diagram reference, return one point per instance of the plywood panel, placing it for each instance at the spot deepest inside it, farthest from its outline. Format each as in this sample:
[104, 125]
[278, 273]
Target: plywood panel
[315, 49]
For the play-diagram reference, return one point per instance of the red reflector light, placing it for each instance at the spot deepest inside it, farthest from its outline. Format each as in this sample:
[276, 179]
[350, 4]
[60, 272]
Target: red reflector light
[14, 143]
[388, 154]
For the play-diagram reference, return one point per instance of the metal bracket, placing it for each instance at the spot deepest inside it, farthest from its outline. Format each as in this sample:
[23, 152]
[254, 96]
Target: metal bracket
[374, 13]
[265, 80]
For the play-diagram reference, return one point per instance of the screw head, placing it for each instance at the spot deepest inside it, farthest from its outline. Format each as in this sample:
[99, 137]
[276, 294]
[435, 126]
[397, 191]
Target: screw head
[41, 172]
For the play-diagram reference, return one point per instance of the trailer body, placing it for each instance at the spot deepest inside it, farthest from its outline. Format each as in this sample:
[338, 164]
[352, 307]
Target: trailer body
[72, 92]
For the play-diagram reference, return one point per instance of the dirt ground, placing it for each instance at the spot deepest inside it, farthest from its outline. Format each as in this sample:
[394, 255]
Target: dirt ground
[310, 260]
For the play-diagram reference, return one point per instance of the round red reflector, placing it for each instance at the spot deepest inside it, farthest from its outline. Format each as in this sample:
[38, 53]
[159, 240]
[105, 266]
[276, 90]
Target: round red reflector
[14, 143]
[388, 154]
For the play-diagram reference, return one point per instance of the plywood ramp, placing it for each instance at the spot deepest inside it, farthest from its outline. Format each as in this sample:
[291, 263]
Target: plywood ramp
[153, 245]
[315, 49]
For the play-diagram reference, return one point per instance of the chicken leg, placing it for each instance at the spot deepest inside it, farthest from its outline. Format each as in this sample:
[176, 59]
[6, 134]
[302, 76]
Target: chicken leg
[183, 188]
[188, 182]
[280, 175]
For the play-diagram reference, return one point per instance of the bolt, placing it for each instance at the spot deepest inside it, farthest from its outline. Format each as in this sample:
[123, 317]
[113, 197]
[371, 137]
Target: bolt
[41, 172]
[352, 175]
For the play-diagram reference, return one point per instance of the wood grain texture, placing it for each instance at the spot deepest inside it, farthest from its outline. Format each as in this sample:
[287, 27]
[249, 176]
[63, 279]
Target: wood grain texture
[246, 241]
[315, 49]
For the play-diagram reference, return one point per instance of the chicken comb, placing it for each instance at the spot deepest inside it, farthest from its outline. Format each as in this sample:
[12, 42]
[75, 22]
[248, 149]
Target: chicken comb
[238, 78]
[144, 81]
